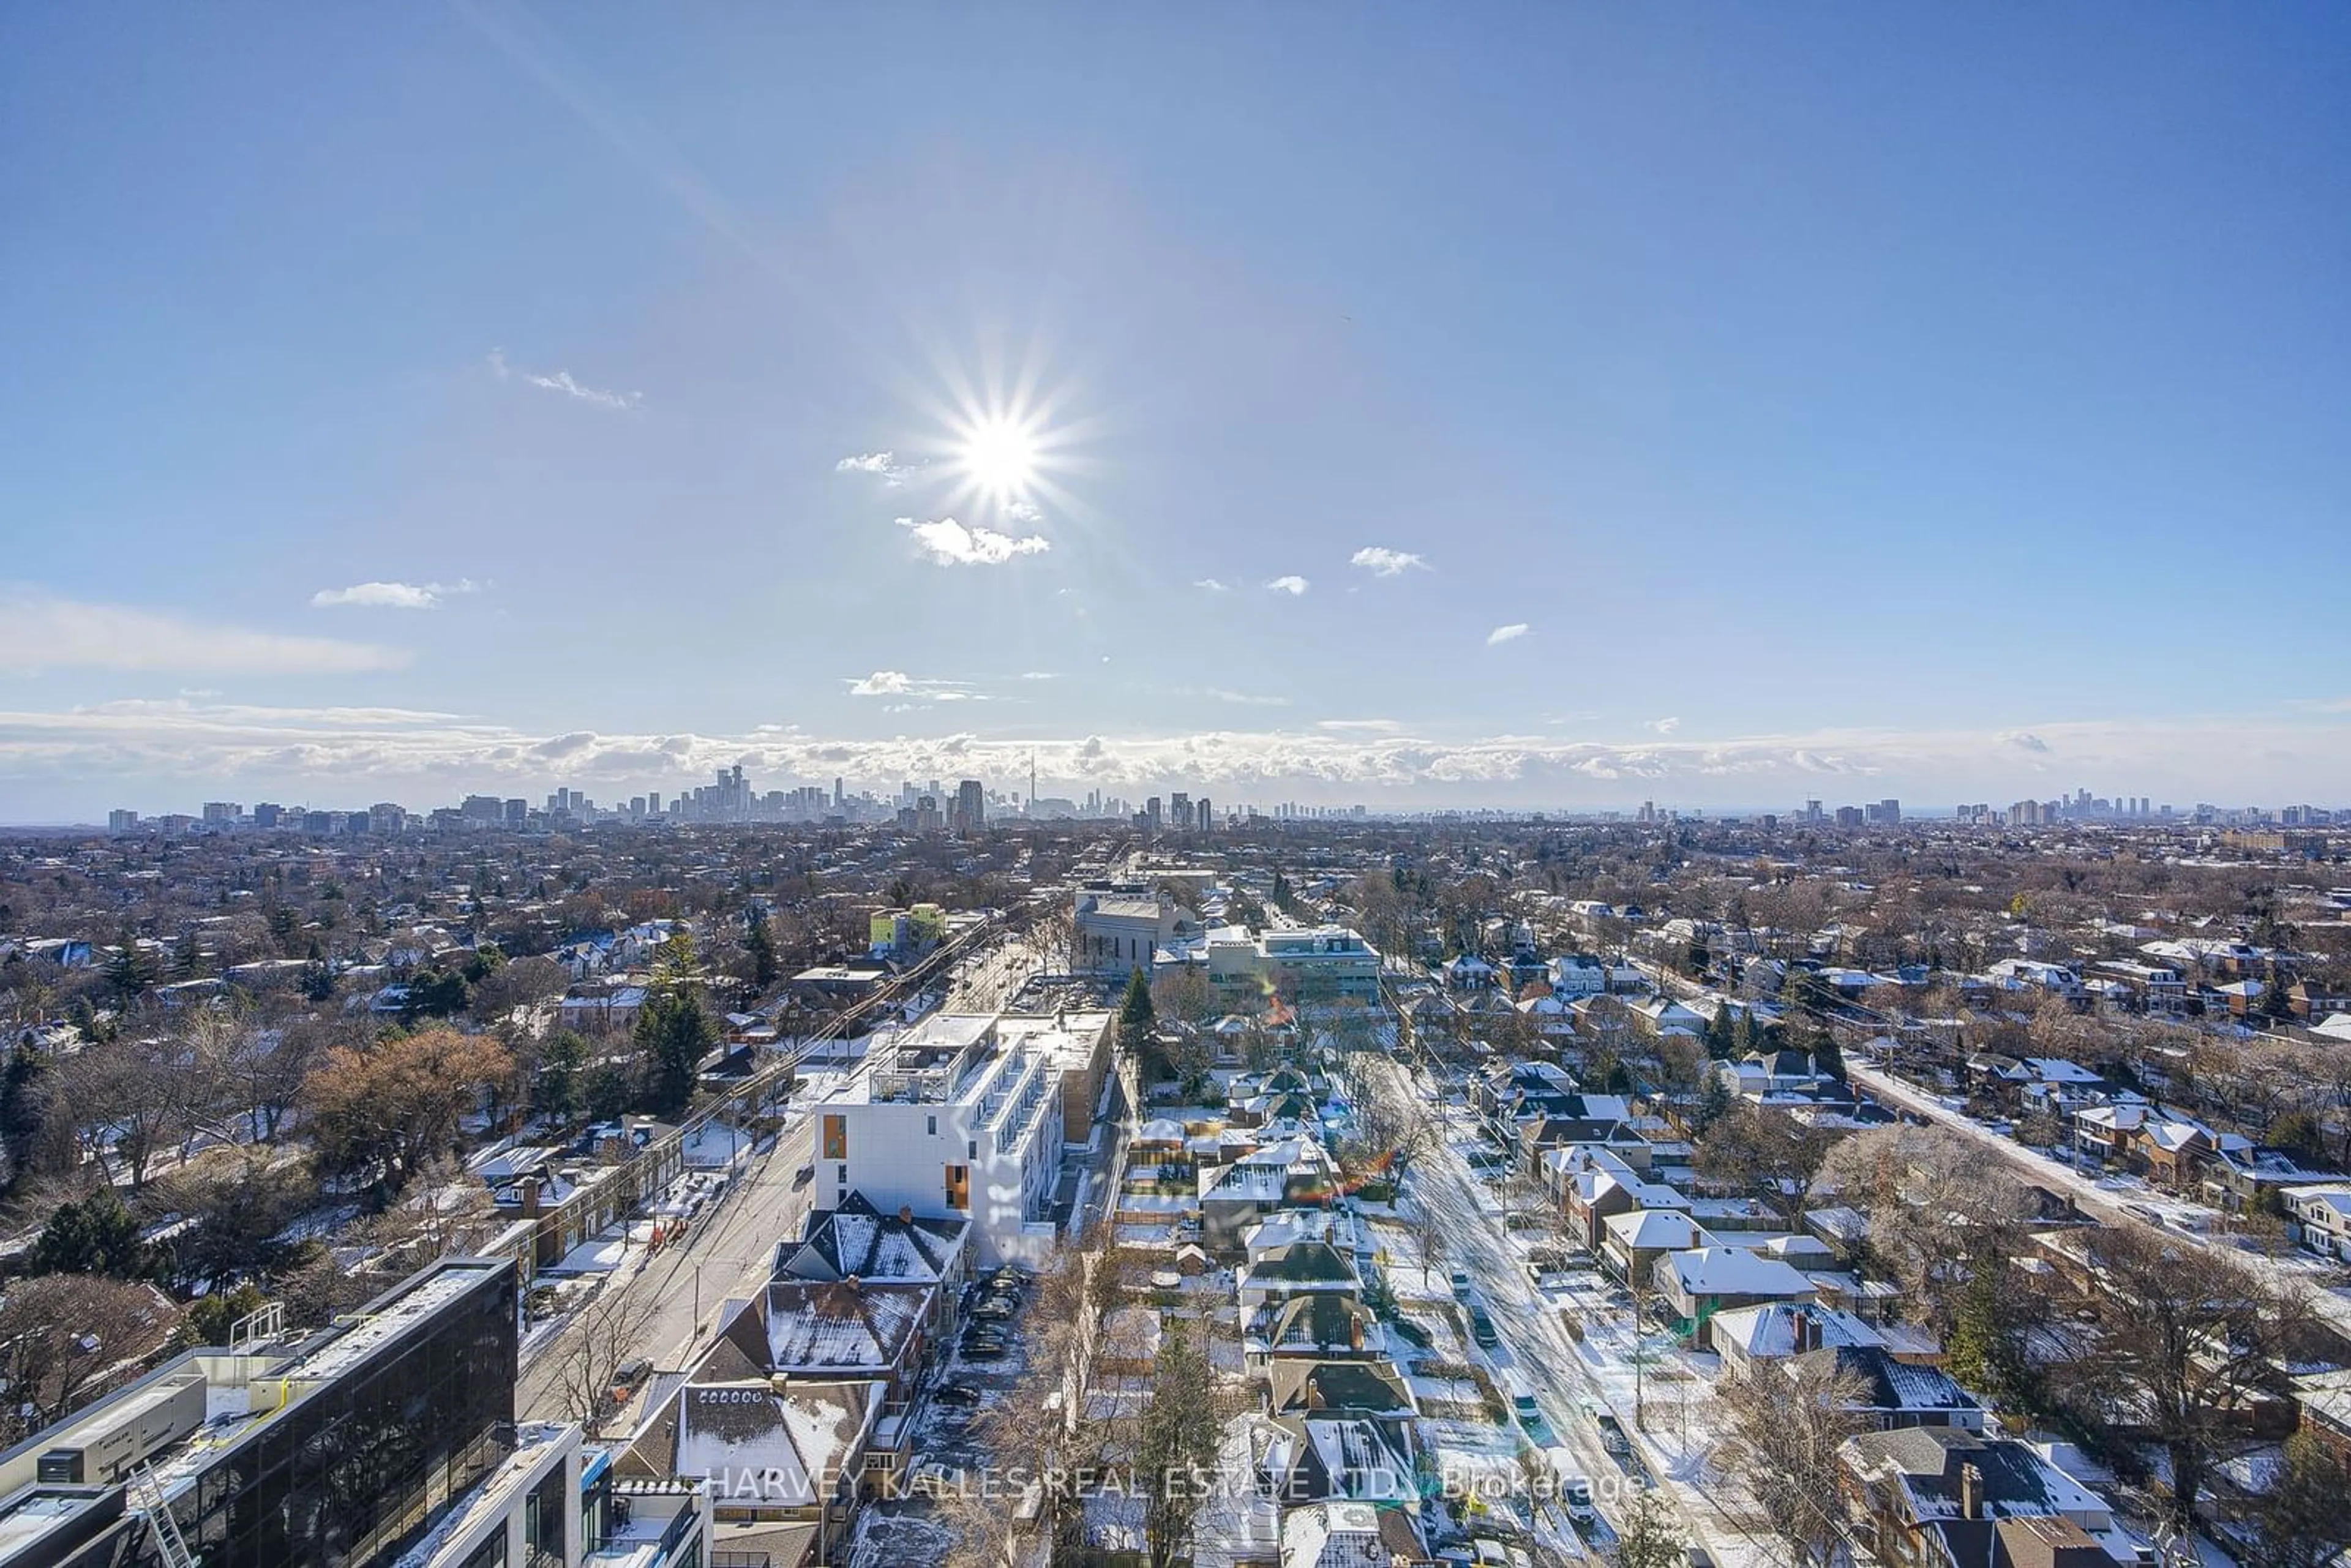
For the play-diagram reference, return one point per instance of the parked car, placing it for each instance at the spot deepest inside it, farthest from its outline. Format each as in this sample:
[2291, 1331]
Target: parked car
[629, 1378]
[1530, 1416]
[962, 1395]
[1481, 1329]
[1459, 1281]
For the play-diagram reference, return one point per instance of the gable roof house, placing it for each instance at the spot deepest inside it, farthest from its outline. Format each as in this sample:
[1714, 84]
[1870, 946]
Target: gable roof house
[1938, 1498]
[1696, 1285]
[1631, 1243]
[1312, 1459]
[1746, 1337]
[1350, 1535]
[784, 1466]
[1320, 1327]
[1371, 1390]
[2322, 1212]
[1895, 1394]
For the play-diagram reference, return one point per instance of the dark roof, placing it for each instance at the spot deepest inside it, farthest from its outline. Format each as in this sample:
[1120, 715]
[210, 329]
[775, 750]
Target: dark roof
[1303, 1262]
[856, 1242]
[1322, 1317]
[1296, 1387]
[1893, 1384]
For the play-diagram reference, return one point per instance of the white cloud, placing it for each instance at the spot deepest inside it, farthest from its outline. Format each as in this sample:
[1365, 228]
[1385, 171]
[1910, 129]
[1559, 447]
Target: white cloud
[356, 755]
[1362, 726]
[1245, 699]
[898, 683]
[1213, 586]
[1024, 512]
[41, 631]
[1664, 726]
[1292, 584]
[949, 543]
[883, 466]
[1511, 633]
[395, 595]
[1039, 676]
[1381, 561]
[561, 382]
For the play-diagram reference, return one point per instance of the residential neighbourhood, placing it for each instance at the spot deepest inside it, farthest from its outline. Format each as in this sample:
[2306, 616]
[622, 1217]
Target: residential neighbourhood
[1434, 1210]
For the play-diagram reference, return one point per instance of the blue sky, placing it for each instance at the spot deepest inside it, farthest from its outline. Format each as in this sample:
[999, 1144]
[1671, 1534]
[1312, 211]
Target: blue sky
[1845, 401]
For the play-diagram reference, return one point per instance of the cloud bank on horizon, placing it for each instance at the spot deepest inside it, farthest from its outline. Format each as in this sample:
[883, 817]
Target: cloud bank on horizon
[354, 755]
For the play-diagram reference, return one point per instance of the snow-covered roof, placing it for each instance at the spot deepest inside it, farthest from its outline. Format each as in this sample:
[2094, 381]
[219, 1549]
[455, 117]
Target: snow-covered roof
[1735, 1272]
[822, 1326]
[1770, 1330]
[855, 1241]
[778, 1449]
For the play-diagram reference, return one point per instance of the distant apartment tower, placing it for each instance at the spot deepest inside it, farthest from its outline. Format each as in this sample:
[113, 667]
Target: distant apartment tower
[222, 812]
[970, 807]
[1850, 817]
[1203, 814]
[1811, 810]
[120, 822]
[1179, 812]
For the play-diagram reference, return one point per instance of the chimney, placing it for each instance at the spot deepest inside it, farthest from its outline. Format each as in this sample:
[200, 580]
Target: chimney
[1354, 1331]
[1808, 1332]
[528, 1187]
[1313, 1393]
[1971, 1499]
[905, 1214]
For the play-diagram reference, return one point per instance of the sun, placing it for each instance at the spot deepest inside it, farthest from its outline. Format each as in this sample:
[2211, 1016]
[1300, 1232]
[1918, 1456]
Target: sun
[997, 455]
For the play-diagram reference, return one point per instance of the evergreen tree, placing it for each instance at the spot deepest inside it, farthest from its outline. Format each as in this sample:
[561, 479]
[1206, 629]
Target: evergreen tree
[560, 1093]
[131, 971]
[23, 1107]
[1176, 1449]
[673, 1035]
[2300, 1520]
[95, 1236]
[759, 946]
[1137, 1016]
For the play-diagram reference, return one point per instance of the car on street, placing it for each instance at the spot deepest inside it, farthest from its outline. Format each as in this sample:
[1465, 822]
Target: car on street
[1524, 1410]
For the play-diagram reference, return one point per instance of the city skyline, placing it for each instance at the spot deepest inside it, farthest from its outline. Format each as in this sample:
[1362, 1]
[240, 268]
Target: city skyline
[402, 406]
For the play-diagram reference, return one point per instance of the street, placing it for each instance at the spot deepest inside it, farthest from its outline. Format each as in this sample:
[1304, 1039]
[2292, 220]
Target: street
[729, 1251]
[2112, 1207]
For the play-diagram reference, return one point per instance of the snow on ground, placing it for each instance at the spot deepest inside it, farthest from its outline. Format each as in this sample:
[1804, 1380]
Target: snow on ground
[2107, 1193]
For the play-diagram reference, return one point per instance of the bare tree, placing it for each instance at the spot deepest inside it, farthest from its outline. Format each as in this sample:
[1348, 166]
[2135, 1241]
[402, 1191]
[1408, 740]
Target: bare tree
[131, 1100]
[1937, 1210]
[66, 1338]
[1786, 1419]
[2183, 1340]
[1763, 1152]
[602, 1337]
